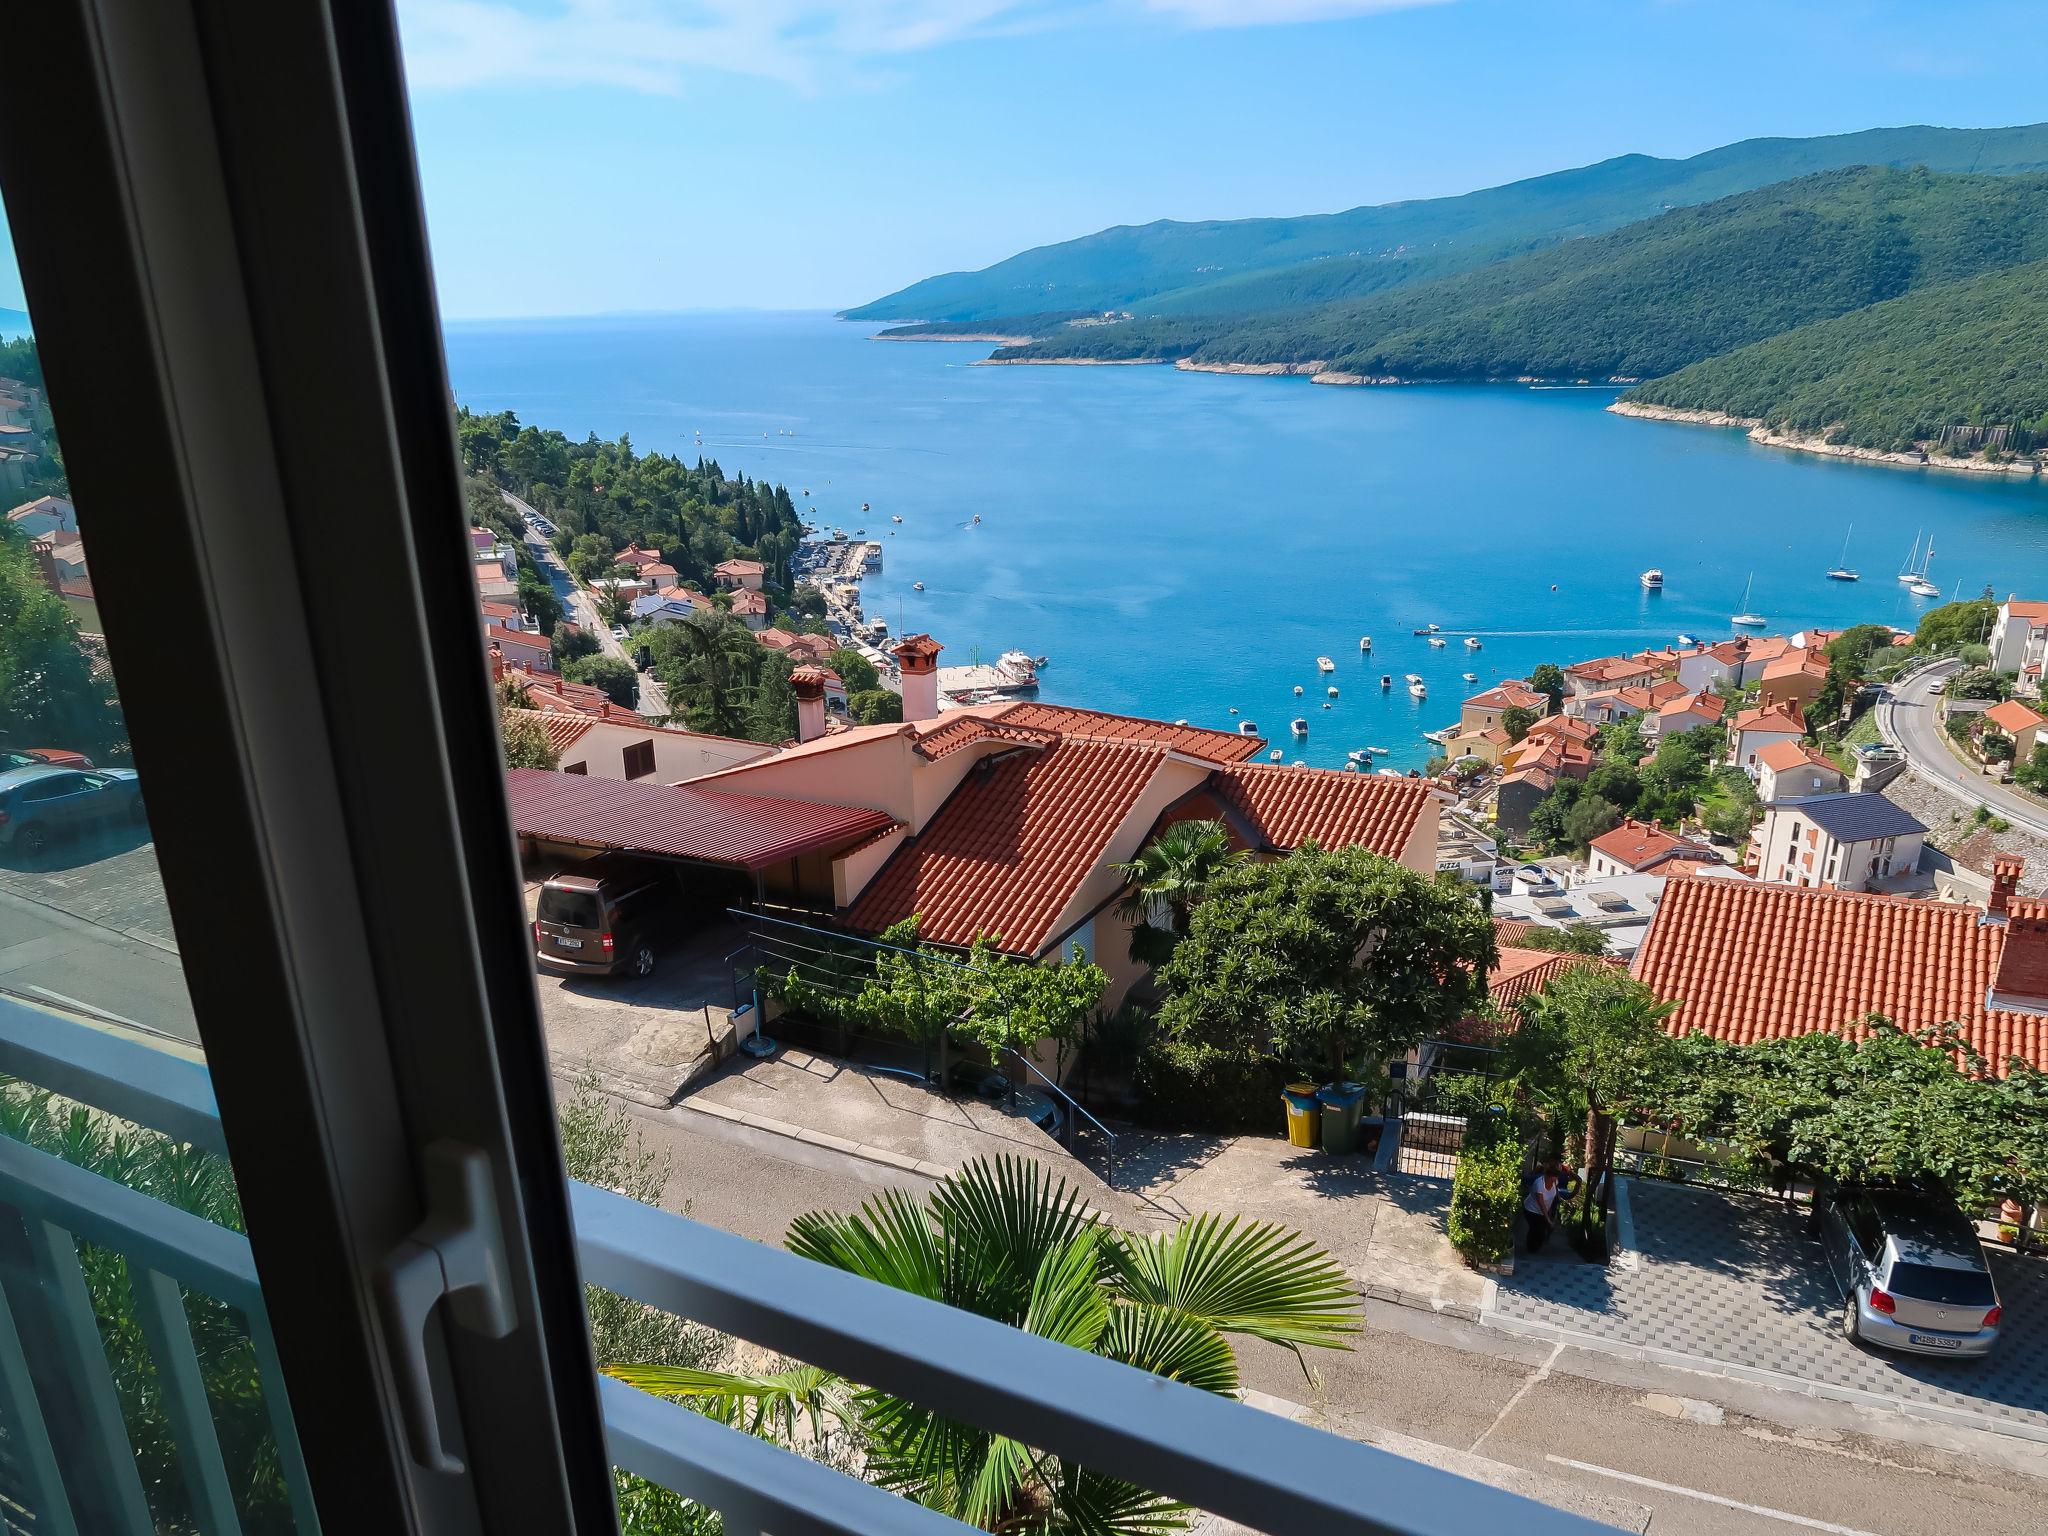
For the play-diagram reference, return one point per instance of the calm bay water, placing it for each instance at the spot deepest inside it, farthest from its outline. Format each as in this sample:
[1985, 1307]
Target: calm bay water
[1179, 544]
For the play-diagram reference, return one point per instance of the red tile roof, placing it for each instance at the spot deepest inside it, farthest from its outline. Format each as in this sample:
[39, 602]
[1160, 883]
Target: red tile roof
[748, 600]
[739, 568]
[2012, 717]
[1749, 962]
[1639, 845]
[965, 730]
[1194, 740]
[2034, 612]
[917, 648]
[1782, 755]
[1508, 931]
[1512, 694]
[1704, 703]
[500, 636]
[682, 820]
[1289, 806]
[1793, 663]
[1520, 972]
[1011, 846]
[1563, 726]
[1778, 717]
[1609, 669]
[562, 730]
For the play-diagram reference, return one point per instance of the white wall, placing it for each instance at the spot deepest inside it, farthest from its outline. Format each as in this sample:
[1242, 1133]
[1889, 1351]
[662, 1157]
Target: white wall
[678, 755]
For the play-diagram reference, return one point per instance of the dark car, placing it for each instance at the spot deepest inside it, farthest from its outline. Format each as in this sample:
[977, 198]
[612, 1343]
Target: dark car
[1911, 1271]
[611, 914]
[42, 803]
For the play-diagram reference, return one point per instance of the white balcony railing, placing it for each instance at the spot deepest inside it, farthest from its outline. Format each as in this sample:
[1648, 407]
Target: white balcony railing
[1260, 1470]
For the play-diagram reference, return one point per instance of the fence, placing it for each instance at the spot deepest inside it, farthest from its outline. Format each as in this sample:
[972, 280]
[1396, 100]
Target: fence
[839, 965]
[1427, 1111]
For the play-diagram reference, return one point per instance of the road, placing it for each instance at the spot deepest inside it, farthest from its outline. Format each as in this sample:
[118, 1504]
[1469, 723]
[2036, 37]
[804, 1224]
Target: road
[578, 603]
[1906, 720]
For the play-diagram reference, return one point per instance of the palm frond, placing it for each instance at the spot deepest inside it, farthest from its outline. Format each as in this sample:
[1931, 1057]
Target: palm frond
[1172, 1344]
[889, 1239]
[760, 1404]
[1249, 1277]
[1068, 1304]
[1089, 1504]
[999, 1218]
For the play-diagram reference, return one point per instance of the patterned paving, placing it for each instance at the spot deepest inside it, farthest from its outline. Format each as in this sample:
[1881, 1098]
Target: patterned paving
[1737, 1279]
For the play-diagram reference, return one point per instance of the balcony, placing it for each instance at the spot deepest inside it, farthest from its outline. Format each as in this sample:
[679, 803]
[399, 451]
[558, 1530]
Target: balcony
[66, 1439]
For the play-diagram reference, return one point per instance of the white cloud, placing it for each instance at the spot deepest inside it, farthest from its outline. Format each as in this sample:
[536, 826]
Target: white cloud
[654, 45]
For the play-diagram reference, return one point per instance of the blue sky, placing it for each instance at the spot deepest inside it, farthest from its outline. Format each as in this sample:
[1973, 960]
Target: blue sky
[583, 156]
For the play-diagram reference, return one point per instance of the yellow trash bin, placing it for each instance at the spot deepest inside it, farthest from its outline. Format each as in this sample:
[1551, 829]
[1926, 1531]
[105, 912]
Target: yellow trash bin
[1304, 1114]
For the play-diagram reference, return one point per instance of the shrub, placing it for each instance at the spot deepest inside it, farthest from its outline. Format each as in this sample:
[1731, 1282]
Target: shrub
[1486, 1192]
[1194, 1089]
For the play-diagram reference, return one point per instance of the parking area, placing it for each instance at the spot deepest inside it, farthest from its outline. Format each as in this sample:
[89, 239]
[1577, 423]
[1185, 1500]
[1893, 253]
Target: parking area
[1737, 1280]
[105, 875]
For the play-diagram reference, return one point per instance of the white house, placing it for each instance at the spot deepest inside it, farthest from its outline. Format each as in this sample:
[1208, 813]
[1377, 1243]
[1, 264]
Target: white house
[2018, 639]
[1756, 729]
[46, 514]
[1837, 842]
[1791, 770]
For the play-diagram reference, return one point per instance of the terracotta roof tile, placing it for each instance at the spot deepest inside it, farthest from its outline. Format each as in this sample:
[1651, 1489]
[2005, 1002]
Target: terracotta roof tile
[1520, 972]
[1779, 756]
[563, 730]
[963, 731]
[1640, 845]
[1289, 806]
[1749, 962]
[1194, 740]
[2012, 717]
[1011, 846]
[1512, 694]
[1779, 717]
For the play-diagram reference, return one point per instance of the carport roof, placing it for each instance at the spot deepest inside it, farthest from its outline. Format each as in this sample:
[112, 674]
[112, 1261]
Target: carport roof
[684, 821]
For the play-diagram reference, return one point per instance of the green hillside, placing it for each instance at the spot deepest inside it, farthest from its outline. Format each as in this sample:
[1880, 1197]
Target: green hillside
[1643, 300]
[1241, 265]
[1966, 353]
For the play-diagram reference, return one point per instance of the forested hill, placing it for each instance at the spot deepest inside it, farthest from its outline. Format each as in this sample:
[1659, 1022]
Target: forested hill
[1640, 301]
[1242, 265]
[692, 513]
[1970, 352]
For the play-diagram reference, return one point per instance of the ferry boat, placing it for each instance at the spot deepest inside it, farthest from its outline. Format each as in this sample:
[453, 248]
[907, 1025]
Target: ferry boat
[1324, 664]
[1428, 629]
[1299, 726]
[1365, 642]
[1652, 580]
[1386, 679]
[1471, 642]
[1017, 670]
[1246, 727]
[1418, 689]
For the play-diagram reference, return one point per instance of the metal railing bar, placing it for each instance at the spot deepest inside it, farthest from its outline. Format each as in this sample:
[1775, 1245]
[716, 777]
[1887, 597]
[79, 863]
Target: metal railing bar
[30, 1434]
[160, 1309]
[284, 1430]
[1211, 1452]
[76, 1334]
[754, 1484]
[194, 1250]
[124, 1077]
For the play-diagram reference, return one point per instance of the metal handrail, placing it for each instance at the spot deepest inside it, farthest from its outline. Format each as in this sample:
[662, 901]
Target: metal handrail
[1259, 1469]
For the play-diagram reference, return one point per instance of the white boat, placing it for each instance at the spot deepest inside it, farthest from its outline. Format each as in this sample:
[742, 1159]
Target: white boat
[1365, 642]
[1652, 580]
[1745, 618]
[1297, 690]
[863, 506]
[1324, 664]
[1910, 571]
[1471, 642]
[1358, 756]
[917, 586]
[1275, 755]
[1378, 751]
[1924, 589]
[1428, 629]
[1386, 679]
[1246, 727]
[1411, 677]
[975, 520]
[1920, 586]
[1684, 639]
[1470, 677]
[1299, 726]
[1233, 709]
[1333, 693]
[1434, 641]
[1844, 571]
[1418, 690]
[894, 518]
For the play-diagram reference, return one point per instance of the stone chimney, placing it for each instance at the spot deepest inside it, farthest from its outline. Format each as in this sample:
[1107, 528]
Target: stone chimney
[497, 661]
[2005, 884]
[918, 658]
[809, 685]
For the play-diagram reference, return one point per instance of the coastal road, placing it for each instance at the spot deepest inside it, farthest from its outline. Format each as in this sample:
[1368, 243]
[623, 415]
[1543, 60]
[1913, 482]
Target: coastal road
[1907, 720]
[577, 601]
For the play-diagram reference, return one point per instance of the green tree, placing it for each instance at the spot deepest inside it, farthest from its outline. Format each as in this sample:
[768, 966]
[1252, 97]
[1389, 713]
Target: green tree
[49, 692]
[520, 733]
[707, 662]
[1978, 683]
[1592, 1042]
[2033, 773]
[1014, 1004]
[1003, 1239]
[855, 670]
[1571, 939]
[875, 706]
[537, 596]
[1587, 818]
[1165, 881]
[808, 602]
[1331, 960]
[1955, 624]
[571, 642]
[1516, 720]
[1621, 741]
[1548, 679]
[1617, 782]
[772, 716]
[613, 606]
[621, 684]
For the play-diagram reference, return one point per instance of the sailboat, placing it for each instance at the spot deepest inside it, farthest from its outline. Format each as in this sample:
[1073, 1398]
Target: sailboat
[1843, 571]
[1910, 571]
[1745, 618]
[1920, 586]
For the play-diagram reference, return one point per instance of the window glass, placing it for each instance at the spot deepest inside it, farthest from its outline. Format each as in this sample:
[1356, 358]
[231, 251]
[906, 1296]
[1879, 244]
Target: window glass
[1941, 1285]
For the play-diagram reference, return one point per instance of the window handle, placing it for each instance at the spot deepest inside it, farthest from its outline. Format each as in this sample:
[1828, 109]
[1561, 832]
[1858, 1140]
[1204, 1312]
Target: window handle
[456, 1254]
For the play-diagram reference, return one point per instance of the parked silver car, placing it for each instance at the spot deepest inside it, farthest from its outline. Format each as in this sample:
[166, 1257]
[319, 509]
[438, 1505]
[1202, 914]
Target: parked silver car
[1911, 1270]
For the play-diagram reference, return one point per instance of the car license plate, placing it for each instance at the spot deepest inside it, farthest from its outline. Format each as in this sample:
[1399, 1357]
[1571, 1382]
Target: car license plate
[568, 943]
[1935, 1340]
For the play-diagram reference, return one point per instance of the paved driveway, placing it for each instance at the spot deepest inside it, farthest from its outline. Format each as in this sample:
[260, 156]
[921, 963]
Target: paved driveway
[1906, 719]
[1737, 1280]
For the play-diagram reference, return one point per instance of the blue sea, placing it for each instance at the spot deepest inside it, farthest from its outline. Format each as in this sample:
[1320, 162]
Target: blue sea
[1186, 544]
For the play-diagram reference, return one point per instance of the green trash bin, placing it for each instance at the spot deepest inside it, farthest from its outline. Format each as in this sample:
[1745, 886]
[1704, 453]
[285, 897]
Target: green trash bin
[1304, 1114]
[1343, 1104]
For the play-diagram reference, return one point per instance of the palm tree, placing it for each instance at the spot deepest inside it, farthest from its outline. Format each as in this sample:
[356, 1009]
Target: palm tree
[1172, 871]
[1007, 1240]
[715, 676]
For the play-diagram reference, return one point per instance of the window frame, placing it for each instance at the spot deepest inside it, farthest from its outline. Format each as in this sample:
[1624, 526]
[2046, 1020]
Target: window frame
[214, 194]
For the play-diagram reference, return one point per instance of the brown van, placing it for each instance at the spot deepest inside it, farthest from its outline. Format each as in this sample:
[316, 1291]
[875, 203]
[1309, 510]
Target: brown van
[608, 916]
